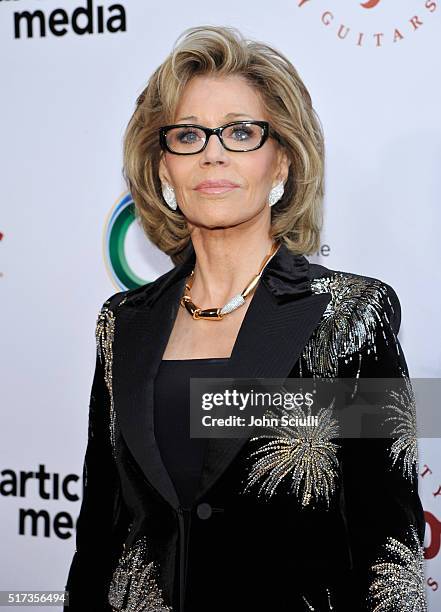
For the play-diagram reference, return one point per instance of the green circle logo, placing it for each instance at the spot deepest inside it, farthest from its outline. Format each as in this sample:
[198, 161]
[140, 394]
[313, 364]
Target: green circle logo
[120, 220]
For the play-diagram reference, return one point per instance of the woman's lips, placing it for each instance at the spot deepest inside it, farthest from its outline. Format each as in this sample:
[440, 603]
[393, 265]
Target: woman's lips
[213, 186]
[218, 189]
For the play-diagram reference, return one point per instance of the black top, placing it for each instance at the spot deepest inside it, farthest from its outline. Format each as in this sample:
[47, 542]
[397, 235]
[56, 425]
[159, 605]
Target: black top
[182, 456]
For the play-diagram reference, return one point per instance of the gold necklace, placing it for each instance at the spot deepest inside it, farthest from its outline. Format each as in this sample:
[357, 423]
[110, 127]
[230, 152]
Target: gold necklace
[216, 314]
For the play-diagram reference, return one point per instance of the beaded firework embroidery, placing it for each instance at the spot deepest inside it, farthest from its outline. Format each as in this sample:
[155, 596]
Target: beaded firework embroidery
[349, 322]
[399, 582]
[104, 334]
[302, 452]
[405, 447]
[311, 608]
[134, 587]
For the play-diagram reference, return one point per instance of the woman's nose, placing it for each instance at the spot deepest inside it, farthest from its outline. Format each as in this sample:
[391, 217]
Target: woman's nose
[214, 151]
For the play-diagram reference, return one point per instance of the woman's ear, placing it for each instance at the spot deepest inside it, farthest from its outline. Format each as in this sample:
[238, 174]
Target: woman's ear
[162, 171]
[283, 165]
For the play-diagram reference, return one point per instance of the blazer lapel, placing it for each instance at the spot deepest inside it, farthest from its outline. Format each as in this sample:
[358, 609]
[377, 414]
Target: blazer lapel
[141, 336]
[278, 323]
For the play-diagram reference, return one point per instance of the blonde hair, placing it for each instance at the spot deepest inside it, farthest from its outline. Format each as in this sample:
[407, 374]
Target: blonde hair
[297, 217]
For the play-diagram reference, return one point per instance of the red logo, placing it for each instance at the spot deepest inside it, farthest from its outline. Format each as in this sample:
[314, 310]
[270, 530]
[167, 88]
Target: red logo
[358, 25]
[370, 3]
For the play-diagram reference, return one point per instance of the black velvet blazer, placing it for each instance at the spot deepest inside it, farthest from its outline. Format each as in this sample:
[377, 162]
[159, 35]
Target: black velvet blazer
[346, 533]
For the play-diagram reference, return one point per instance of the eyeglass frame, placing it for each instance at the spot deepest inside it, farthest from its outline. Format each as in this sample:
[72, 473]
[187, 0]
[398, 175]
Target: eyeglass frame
[217, 131]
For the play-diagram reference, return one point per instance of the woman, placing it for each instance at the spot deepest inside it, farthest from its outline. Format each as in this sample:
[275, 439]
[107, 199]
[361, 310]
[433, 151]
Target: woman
[224, 158]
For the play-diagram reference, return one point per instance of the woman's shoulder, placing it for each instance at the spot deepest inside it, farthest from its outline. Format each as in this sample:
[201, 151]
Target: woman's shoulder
[142, 295]
[351, 291]
[132, 296]
[360, 324]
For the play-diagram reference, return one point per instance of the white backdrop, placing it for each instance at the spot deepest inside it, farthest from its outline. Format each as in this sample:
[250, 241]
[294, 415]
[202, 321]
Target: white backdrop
[373, 73]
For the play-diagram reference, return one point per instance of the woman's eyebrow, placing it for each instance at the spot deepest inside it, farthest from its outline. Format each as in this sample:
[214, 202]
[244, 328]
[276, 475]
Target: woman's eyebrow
[193, 117]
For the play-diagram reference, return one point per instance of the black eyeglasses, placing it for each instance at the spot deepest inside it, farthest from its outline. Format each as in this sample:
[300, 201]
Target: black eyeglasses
[238, 136]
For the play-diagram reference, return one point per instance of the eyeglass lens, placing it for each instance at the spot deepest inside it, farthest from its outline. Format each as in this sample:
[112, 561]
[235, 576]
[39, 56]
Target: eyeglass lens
[239, 137]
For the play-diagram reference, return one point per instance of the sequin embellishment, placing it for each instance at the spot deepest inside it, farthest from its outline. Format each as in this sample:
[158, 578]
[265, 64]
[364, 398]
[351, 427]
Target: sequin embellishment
[348, 323]
[399, 583]
[134, 587]
[311, 608]
[104, 334]
[301, 451]
[405, 448]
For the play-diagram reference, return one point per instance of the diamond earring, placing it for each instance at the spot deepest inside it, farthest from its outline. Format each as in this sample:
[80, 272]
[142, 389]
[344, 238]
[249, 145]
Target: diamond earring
[276, 193]
[169, 196]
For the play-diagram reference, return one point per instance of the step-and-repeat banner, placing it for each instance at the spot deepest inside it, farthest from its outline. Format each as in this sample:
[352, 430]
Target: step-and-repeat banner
[70, 75]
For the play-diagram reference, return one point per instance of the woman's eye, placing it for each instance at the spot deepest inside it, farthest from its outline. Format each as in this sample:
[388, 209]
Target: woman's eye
[188, 137]
[243, 133]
